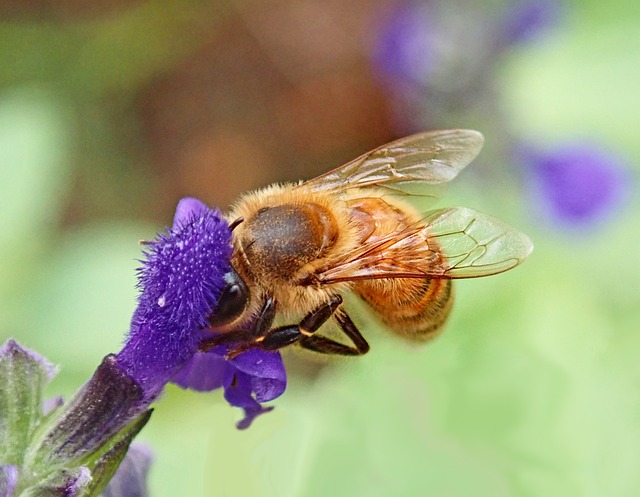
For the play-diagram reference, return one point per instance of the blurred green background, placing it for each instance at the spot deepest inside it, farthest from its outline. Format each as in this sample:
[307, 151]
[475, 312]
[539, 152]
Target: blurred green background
[111, 111]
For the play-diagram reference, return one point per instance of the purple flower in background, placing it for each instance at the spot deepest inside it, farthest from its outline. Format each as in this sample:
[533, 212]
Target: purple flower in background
[432, 41]
[580, 183]
[130, 480]
[8, 480]
[526, 19]
[403, 52]
[253, 377]
[437, 59]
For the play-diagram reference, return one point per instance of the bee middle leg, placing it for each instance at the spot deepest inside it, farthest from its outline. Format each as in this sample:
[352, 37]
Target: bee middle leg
[304, 332]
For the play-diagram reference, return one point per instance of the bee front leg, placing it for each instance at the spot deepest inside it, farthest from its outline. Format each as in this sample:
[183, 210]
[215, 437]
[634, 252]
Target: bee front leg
[244, 338]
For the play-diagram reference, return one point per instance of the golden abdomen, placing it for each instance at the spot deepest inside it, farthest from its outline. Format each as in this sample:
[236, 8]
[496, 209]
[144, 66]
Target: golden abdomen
[414, 308]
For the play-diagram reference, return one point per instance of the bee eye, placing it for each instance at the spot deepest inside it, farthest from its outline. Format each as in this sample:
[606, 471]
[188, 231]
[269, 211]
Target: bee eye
[233, 300]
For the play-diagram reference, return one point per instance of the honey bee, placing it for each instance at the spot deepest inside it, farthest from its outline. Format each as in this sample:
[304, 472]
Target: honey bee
[299, 247]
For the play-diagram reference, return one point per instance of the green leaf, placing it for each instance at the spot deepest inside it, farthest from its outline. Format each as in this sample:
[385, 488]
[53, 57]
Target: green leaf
[109, 459]
[23, 376]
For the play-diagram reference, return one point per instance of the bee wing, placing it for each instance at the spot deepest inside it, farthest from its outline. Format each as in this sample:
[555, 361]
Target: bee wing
[425, 159]
[450, 243]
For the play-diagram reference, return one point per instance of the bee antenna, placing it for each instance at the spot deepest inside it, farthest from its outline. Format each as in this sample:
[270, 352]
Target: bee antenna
[235, 223]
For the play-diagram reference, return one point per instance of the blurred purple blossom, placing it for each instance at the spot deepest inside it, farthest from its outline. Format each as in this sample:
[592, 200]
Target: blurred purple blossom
[130, 480]
[524, 20]
[418, 41]
[437, 59]
[403, 51]
[580, 183]
[251, 378]
[8, 480]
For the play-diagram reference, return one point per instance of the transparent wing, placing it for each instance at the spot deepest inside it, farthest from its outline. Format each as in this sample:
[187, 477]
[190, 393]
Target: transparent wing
[450, 243]
[416, 164]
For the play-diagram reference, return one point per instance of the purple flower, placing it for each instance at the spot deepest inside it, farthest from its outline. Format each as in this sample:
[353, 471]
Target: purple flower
[437, 59]
[429, 41]
[253, 377]
[579, 182]
[76, 448]
[526, 19]
[181, 280]
[404, 49]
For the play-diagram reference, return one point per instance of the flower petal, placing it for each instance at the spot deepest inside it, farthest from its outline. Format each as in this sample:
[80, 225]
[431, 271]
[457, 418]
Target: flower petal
[266, 370]
[253, 377]
[188, 209]
[204, 372]
[238, 390]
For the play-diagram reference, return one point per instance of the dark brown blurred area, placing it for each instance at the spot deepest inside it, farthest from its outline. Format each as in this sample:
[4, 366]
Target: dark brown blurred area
[279, 91]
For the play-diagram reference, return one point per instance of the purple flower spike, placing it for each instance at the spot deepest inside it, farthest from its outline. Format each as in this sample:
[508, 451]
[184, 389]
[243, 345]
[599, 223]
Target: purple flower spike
[254, 377]
[580, 182]
[181, 280]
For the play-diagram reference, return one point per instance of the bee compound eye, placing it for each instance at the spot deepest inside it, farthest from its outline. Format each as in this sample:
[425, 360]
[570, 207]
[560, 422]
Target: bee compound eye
[233, 300]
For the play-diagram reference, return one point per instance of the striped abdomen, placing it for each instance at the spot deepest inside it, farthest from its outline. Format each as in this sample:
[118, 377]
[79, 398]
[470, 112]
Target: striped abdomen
[414, 308]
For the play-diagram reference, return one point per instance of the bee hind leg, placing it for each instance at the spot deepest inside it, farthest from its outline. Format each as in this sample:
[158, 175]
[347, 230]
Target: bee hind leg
[325, 345]
[304, 333]
[282, 336]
